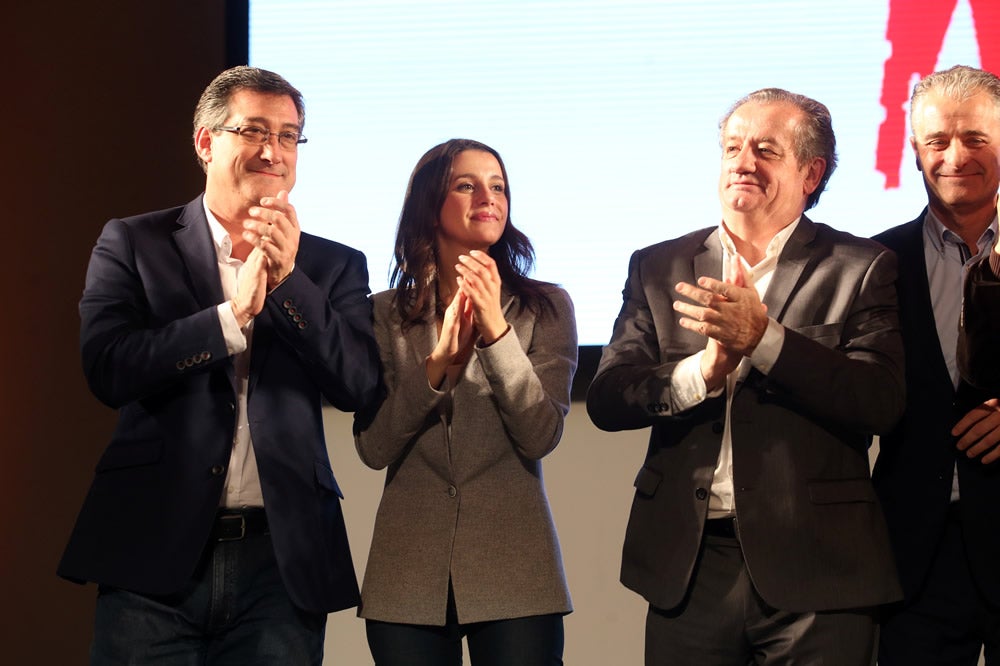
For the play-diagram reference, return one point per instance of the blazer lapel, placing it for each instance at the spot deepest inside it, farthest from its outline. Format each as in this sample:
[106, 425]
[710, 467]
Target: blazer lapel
[791, 264]
[197, 250]
[422, 337]
[913, 288]
[707, 260]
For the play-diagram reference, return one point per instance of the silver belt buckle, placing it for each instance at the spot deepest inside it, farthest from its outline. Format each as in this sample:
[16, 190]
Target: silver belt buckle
[243, 527]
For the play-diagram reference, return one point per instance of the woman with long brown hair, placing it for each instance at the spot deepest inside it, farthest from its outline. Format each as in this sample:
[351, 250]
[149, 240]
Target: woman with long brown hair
[478, 361]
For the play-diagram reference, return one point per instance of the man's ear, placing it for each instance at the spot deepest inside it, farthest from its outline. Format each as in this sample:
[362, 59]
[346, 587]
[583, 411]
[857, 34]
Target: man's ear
[203, 144]
[816, 169]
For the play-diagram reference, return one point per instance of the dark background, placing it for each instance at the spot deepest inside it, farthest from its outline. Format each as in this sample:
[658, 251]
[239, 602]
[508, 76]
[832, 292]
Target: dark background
[96, 124]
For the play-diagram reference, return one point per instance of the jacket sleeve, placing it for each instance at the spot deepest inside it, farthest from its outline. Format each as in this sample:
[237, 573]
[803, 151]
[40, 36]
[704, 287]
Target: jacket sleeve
[979, 333]
[129, 350]
[532, 386]
[846, 366]
[325, 316]
[856, 378]
[632, 386]
[385, 428]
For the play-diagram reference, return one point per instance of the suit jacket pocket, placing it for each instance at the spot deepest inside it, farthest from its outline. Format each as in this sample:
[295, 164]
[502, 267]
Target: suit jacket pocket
[121, 454]
[326, 480]
[841, 491]
[647, 481]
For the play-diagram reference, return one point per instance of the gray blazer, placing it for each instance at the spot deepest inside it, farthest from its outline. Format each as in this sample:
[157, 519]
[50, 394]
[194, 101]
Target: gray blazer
[464, 497]
[810, 526]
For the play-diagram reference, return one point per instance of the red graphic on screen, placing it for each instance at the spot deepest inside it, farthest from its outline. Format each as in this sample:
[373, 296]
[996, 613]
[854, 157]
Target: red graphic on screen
[915, 32]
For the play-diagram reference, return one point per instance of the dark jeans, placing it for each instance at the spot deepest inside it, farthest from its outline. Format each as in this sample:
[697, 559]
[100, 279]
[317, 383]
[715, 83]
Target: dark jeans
[524, 641]
[948, 623]
[234, 611]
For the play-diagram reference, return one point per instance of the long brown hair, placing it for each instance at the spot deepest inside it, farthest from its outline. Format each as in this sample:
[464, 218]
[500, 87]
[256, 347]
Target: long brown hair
[415, 271]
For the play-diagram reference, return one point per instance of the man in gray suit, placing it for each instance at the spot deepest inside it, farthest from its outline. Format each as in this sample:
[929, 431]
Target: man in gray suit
[755, 533]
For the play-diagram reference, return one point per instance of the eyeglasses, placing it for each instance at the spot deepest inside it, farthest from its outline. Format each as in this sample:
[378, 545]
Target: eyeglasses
[258, 136]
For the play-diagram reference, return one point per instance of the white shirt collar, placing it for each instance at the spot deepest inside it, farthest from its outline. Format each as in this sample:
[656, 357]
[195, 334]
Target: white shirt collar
[223, 243]
[774, 248]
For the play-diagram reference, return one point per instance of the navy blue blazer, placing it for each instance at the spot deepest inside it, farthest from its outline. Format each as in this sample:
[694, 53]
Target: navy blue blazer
[916, 461]
[152, 347]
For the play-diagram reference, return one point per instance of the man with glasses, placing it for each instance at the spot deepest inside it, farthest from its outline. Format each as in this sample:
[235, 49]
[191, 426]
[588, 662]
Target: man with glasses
[213, 525]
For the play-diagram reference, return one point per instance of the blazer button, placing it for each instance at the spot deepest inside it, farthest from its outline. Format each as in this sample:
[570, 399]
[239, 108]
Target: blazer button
[452, 491]
[701, 493]
[718, 427]
[218, 470]
[180, 365]
[287, 303]
[303, 324]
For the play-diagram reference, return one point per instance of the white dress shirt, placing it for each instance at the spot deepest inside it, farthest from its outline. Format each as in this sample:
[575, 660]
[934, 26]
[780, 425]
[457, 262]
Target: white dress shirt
[688, 384]
[242, 487]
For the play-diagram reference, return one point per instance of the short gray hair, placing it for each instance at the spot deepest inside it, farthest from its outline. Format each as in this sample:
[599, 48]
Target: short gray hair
[959, 82]
[213, 107]
[813, 136]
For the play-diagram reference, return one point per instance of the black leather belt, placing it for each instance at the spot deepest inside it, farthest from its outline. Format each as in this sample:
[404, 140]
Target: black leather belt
[721, 527]
[236, 524]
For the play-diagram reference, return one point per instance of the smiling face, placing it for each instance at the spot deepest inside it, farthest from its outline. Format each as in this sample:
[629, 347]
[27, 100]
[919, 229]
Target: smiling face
[957, 145]
[761, 181]
[474, 212]
[238, 173]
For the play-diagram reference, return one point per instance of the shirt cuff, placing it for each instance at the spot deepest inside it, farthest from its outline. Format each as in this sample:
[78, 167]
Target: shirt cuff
[769, 348]
[236, 340]
[687, 385]
[282, 281]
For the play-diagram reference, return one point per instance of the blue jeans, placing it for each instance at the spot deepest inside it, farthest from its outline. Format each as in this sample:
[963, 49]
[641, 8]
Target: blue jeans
[234, 611]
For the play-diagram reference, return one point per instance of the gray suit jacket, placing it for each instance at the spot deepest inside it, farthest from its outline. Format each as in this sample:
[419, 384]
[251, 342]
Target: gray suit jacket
[811, 529]
[464, 497]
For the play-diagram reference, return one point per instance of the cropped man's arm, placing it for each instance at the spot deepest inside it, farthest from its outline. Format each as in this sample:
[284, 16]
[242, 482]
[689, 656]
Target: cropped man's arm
[979, 334]
[635, 383]
[328, 322]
